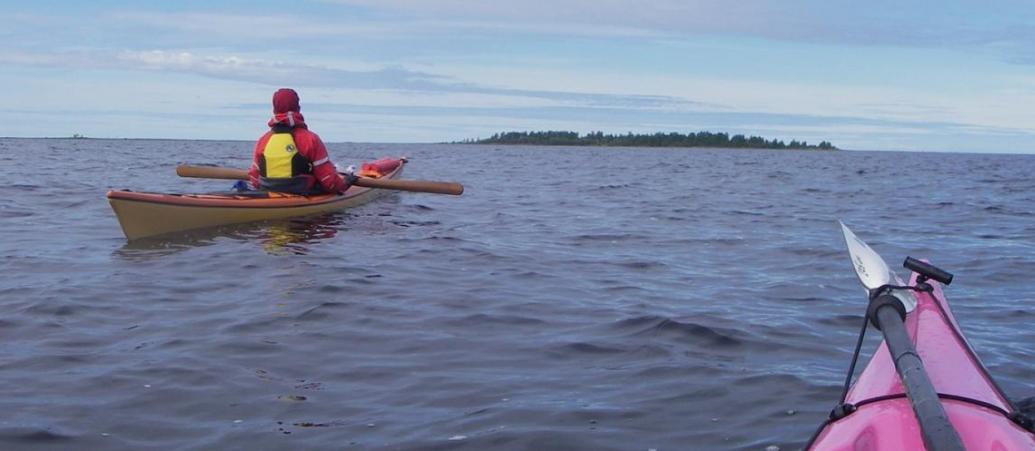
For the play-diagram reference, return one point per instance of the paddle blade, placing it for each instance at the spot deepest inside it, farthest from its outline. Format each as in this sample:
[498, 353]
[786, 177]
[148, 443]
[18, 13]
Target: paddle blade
[872, 270]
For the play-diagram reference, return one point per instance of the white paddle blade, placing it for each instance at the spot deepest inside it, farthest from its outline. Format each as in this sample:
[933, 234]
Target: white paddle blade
[872, 270]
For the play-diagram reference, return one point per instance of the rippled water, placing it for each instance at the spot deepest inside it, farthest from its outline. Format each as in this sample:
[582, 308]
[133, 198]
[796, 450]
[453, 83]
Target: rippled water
[572, 298]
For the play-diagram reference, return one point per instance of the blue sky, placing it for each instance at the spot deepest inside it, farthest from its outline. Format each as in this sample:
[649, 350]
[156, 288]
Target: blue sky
[880, 74]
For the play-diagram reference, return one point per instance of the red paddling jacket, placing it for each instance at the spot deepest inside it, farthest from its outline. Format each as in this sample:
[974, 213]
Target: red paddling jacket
[289, 157]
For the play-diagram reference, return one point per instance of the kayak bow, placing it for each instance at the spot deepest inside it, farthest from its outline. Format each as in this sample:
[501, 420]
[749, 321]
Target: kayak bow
[887, 407]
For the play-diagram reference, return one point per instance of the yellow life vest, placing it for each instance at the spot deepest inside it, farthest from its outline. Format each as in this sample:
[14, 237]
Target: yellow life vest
[281, 160]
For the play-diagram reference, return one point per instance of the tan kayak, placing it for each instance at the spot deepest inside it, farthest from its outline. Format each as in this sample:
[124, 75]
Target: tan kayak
[143, 215]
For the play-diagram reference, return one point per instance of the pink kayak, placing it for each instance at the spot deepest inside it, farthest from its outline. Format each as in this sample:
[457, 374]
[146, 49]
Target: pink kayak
[883, 418]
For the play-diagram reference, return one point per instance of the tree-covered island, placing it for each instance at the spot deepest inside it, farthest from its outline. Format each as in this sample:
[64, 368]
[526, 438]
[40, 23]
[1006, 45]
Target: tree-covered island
[699, 139]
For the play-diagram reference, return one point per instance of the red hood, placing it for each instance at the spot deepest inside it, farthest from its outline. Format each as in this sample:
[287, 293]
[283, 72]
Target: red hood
[285, 100]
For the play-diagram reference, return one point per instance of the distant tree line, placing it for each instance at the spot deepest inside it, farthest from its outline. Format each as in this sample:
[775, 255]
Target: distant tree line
[699, 139]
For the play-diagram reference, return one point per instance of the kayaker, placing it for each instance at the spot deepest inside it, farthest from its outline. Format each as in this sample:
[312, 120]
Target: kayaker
[289, 157]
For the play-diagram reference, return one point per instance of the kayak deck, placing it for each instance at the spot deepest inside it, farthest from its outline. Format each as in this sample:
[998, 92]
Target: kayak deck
[144, 215]
[884, 418]
[951, 363]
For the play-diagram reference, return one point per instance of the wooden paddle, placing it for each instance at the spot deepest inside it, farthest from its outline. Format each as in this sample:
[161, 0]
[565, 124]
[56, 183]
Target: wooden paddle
[419, 186]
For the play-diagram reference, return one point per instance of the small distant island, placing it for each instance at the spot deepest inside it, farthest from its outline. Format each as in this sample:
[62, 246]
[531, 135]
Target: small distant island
[699, 139]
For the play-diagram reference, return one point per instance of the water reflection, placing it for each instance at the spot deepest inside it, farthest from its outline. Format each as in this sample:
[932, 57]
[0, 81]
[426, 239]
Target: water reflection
[293, 236]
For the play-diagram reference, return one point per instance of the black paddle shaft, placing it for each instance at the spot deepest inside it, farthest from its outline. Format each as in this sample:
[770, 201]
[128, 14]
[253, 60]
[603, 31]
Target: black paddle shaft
[938, 432]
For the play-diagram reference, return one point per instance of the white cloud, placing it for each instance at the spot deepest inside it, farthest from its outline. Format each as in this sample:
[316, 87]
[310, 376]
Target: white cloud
[277, 73]
[159, 59]
[283, 25]
[877, 22]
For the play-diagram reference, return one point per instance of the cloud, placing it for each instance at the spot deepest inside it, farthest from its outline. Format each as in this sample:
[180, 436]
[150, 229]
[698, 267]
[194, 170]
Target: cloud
[1002, 28]
[285, 26]
[233, 68]
[877, 22]
[400, 91]
[390, 78]
[618, 63]
[276, 73]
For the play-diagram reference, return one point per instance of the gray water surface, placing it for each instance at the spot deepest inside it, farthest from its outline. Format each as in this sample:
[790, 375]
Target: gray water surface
[572, 298]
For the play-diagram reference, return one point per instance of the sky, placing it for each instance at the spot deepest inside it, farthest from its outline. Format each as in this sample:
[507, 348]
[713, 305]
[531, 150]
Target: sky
[875, 75]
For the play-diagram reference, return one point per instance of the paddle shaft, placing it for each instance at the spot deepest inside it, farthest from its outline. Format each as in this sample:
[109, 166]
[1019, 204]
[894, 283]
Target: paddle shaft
[419, 186]
[937, 431]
